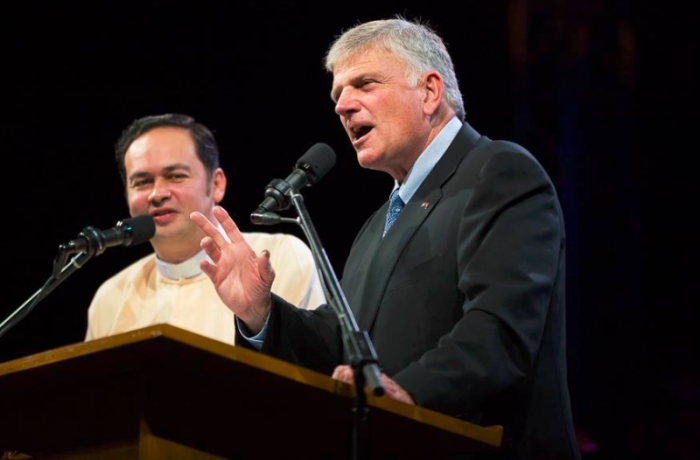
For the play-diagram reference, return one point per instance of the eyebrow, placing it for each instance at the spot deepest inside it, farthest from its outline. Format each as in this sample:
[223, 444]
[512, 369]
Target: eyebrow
[334, 92]
[166, 170]
[365, 75]
[336, 89]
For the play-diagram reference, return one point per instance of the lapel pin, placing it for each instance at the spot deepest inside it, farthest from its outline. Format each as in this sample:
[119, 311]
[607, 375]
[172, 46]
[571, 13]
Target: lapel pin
[425, 205]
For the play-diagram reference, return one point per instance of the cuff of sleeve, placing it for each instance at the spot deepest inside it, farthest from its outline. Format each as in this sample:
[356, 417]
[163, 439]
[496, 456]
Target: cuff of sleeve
[257, 340]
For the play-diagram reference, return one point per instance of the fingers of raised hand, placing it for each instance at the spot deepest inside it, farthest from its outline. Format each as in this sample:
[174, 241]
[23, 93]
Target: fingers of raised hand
[265, 269]
[208, 268]
[228, 224]
[208, 228]
[211, 248]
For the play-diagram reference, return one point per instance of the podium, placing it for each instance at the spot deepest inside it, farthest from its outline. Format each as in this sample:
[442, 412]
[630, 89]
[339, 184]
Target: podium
[163, 392]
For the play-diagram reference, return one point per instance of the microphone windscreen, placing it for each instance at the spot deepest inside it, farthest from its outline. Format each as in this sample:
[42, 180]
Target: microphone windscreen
[317, 161]
[141, 228]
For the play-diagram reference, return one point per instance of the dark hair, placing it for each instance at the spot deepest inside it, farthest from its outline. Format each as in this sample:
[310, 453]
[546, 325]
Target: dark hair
[205, 144]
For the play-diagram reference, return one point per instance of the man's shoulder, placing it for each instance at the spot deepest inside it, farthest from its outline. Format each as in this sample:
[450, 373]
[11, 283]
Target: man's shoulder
[500, 155]
[487, 148]
[274, 241]
[140, 268]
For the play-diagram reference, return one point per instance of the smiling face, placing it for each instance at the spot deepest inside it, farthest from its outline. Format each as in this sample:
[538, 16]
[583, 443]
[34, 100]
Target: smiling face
[387, 120]
[166, 180]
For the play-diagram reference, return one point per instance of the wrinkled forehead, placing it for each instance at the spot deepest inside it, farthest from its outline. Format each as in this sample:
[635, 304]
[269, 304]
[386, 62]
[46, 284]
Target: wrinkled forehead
[373, 58]
[368, 52]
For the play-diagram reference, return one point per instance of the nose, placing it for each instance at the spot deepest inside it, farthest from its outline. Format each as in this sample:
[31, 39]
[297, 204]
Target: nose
[347, 103]
[160, 192]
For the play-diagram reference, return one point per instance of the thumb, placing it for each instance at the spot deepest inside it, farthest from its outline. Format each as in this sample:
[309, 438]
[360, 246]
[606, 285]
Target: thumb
[267, 273]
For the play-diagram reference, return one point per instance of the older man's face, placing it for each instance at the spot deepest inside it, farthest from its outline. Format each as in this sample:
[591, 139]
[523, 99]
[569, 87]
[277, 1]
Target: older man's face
[381, 113]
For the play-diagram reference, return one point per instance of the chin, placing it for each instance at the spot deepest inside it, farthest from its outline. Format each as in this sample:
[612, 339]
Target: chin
[165, 232]
[368, 160]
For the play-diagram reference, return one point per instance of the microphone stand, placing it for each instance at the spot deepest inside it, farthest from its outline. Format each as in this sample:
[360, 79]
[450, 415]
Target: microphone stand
[357, 344]
[61, 272]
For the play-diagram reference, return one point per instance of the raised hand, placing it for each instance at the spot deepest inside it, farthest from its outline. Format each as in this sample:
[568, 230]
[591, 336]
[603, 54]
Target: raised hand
[242, 278]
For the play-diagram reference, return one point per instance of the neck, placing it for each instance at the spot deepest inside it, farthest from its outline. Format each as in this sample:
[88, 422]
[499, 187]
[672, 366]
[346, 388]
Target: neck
[174, 254]
[436, 122]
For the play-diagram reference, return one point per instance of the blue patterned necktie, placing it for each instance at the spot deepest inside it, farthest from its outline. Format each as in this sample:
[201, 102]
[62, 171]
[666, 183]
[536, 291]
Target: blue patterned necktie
[396, 204]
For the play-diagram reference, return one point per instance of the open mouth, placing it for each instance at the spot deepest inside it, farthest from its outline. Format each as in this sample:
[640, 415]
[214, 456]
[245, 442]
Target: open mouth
[360, 132]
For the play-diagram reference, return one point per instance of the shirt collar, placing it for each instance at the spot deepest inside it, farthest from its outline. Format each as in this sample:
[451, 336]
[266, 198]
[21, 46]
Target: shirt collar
[184, 270]
[428, 159]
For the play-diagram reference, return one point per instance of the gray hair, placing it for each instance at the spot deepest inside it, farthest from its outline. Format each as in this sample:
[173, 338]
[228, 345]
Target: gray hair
[415, 44]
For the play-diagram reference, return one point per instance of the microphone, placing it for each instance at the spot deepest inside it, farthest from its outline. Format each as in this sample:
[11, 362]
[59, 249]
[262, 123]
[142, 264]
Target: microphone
[127, 232]
[309, 169]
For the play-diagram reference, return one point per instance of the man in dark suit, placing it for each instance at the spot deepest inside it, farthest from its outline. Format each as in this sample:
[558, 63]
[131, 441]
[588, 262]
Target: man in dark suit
[459, 278]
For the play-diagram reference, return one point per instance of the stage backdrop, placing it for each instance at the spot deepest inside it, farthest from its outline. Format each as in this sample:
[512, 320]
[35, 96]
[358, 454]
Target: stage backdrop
[601, 92]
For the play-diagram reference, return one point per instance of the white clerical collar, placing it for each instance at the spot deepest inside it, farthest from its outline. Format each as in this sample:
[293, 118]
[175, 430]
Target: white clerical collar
[428, 159]
[184, 270]
[187, 269]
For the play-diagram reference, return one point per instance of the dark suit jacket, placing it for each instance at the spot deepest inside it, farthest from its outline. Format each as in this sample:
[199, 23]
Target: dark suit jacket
[463, 298]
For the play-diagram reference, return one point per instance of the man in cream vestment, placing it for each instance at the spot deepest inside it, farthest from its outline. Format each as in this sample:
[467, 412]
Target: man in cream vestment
[170, 168]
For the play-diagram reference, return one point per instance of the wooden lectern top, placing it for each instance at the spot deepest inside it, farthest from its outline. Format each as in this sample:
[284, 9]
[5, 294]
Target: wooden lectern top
[183, 388]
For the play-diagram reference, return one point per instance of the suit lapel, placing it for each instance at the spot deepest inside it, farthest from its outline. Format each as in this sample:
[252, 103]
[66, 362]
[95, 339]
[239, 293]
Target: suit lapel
[383, 253]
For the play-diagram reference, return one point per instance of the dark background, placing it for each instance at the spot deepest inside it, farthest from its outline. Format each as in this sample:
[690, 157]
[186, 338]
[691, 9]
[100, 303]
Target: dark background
[602, 92]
